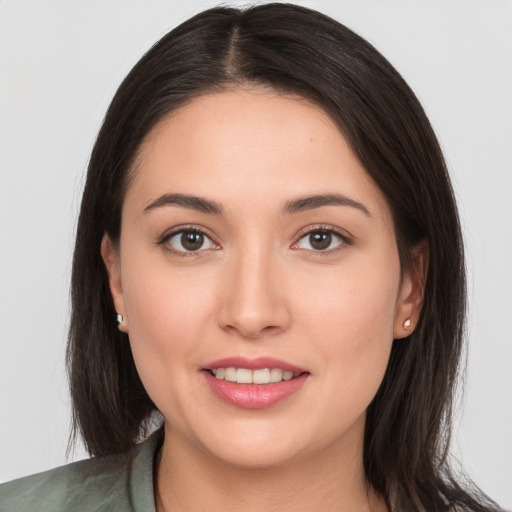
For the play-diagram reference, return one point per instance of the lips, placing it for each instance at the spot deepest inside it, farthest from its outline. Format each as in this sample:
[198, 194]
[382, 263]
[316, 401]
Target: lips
[254, 364]
[254, 383]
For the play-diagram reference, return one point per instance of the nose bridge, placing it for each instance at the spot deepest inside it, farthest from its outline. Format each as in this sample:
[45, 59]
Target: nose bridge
[253, 302]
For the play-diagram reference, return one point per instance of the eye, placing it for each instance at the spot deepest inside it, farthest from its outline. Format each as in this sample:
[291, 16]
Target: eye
[321, 240]
[187, 241]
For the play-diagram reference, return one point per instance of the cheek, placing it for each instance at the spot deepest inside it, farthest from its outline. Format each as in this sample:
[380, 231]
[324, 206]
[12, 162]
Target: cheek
[352, 321]
[355, 303]
[160, 310]
[166, 312]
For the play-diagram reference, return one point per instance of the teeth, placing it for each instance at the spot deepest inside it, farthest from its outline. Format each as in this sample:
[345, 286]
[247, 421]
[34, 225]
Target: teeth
[276, 375]
[246, 376]
[261, 376]
[243, 376]
[230, 374]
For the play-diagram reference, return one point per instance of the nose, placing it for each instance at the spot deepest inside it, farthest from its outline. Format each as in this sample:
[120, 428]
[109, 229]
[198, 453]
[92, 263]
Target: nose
[253, 299]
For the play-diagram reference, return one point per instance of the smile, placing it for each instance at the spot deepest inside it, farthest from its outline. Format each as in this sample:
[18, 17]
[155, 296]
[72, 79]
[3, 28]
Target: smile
[254, 383]
[260, 376]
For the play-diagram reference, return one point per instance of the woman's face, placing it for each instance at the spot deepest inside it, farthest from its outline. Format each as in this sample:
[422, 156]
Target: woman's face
[255, 247]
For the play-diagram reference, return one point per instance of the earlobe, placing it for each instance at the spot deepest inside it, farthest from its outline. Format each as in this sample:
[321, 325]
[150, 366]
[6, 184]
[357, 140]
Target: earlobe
[412, 289]
[110, 257]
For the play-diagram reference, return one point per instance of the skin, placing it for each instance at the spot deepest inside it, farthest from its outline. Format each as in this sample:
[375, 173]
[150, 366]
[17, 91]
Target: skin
[259, 287]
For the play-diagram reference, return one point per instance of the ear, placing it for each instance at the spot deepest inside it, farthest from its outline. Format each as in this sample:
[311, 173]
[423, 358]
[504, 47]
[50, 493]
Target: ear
[412, 288]
[110, 256]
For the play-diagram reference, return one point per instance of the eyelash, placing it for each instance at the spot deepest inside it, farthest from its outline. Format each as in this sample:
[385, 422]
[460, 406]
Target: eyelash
[180, 230]
[344, 239]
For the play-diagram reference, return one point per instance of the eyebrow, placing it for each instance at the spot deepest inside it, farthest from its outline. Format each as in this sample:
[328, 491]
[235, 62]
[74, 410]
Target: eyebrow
[186, 201]
[316, 201]
[294, 206]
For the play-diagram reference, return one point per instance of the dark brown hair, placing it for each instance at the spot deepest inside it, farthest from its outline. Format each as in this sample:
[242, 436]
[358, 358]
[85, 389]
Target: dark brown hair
[296, 50]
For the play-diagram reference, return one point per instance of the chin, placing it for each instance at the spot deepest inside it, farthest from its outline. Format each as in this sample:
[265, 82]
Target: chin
[256, 457]
[255, 449]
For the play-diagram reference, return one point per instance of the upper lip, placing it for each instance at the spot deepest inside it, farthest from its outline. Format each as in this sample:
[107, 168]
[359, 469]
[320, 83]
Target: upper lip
[257, 363]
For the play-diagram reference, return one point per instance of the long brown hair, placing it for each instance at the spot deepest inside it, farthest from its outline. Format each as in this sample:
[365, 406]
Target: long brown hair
[298, 50]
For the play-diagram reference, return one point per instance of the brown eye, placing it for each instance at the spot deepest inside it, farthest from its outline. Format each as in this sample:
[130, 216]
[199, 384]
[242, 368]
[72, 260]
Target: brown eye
[192, 241]
[321, 240]
[186, 241]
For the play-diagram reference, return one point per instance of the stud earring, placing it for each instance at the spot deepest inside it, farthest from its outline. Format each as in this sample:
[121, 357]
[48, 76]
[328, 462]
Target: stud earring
[407, 323]
[120, 322]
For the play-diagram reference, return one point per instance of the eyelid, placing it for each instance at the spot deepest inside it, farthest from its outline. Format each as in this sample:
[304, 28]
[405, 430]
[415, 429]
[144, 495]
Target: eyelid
[162, 241]
[346, 239]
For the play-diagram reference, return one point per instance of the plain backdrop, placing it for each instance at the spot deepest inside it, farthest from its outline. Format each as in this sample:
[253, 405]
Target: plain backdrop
[60, 64]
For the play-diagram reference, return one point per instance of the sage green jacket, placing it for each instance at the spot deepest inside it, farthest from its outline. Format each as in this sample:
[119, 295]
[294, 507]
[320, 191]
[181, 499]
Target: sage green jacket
[92, 485]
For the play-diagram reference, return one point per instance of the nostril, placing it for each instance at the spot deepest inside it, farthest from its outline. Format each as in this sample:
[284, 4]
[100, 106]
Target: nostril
[252, 332]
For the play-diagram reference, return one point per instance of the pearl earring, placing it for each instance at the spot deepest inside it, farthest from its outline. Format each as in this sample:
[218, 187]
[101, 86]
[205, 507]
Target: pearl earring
[407, 324]
[120, 322]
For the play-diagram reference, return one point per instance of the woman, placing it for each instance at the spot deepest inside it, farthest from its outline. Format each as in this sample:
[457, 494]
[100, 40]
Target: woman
[268, 218]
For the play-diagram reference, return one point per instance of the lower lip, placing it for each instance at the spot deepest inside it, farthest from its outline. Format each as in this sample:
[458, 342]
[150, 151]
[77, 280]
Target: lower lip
[254, 396]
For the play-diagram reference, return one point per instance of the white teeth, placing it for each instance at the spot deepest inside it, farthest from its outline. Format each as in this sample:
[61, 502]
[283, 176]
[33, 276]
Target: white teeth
[276, 375]
[246, 376]
[230, 374]
[261, 376]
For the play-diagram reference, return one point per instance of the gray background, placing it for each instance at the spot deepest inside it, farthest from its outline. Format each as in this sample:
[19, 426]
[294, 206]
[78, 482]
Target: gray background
[60, 64]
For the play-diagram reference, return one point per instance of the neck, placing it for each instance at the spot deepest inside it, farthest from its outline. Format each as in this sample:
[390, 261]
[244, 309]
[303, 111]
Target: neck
[332, 480]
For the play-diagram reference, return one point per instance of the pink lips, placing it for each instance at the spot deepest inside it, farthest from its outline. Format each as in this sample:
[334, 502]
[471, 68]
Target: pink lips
[253, 364]
[254, 396]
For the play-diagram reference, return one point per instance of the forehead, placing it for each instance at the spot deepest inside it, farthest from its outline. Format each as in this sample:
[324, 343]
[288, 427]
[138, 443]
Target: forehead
[247, 114]
[249, 144]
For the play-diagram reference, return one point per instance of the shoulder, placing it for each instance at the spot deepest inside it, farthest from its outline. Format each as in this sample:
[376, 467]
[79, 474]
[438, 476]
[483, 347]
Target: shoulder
[81, 484]
[120, 483]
